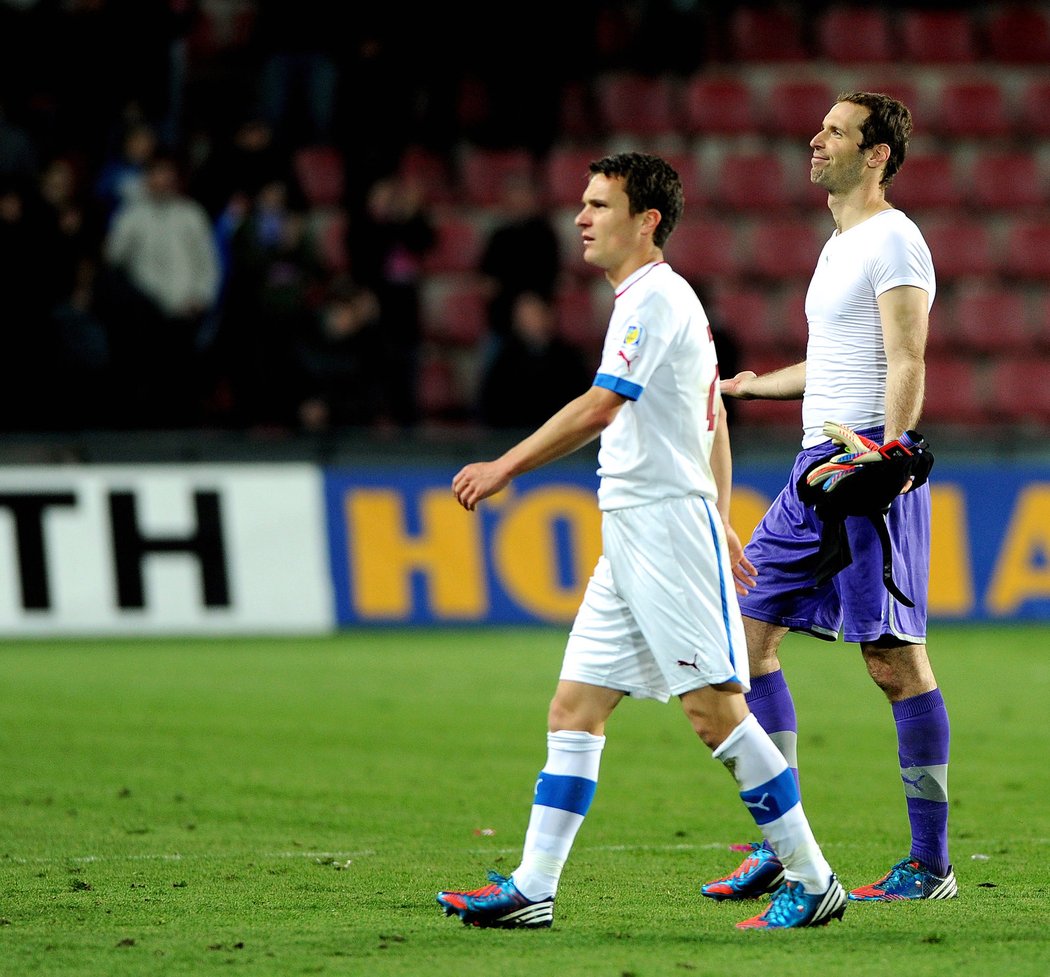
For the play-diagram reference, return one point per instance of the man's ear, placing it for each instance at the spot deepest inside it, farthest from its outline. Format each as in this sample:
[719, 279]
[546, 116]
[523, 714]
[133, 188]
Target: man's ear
[880, 154]
[651, 221]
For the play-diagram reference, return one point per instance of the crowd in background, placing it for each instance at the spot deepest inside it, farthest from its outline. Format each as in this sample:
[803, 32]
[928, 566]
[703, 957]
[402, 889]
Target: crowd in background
[157, 264]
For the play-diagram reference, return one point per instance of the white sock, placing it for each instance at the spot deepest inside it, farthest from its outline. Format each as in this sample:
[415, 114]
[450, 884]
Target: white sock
[564, 790]
[769, 790]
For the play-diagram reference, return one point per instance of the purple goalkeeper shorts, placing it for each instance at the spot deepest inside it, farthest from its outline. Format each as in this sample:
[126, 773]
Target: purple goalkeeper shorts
[855, 601]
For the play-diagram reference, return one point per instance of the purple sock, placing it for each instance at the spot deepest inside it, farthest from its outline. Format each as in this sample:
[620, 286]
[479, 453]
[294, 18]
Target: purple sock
[922, 744]
[770, 700]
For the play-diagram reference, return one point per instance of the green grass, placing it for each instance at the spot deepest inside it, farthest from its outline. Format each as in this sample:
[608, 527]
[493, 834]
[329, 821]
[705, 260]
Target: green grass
[275, 806]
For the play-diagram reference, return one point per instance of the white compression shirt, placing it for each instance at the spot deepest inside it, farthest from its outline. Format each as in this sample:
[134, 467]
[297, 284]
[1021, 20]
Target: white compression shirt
[846, 356]
[659, 353]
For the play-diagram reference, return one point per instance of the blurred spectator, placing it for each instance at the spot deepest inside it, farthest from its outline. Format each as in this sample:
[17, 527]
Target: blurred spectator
[163, 279]
[121, 177]
[80, 358]
[274, 283]
[521, 253]
[534, 372]
[387, 243]
[339, 359]
[298, 41]
[236, 168]
[26, 393]
[18, 150]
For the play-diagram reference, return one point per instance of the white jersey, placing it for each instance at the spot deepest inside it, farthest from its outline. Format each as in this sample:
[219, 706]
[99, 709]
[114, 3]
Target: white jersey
[846, 356]
[659, 353]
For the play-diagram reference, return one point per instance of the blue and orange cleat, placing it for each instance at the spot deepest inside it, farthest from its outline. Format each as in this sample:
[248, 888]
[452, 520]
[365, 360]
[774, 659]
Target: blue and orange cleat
[792, 907]
[497, 905]
[760, 872]
[908, 879]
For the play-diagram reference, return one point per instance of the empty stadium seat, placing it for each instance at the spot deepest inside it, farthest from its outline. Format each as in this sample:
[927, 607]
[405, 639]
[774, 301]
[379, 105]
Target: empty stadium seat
[688, 168]
[926, 180]
[782, 248]
[961, 246]
[856, 35]
[956, 392]
[437, 388]
[429, 170]
[754, 181]
[637, 104]
[990, 319]
[1005, 180]
[565, 174]
[483, 172]
[718, 106]
[457, 244]
[766, 34]
[579, 322]
[454, 312]
[969, 109]
[796, 107]
[321, 171]
[1018, 33]
[745, 315]
[1019, 391]
[937, 36]
[702, 248]
[1033, 108]
[1026, 254]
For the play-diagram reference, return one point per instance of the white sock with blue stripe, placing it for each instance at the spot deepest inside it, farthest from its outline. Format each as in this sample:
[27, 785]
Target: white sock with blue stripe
[770, 792]
[564, 790]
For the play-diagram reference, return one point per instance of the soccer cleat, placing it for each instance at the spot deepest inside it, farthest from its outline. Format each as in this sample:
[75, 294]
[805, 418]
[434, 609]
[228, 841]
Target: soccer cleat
[792, 907]
[498, 905]
[908, 880]
[760, 872]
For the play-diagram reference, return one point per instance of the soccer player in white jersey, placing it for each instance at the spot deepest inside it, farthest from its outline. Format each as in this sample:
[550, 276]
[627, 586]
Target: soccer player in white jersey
[867, 306]
[660, 614]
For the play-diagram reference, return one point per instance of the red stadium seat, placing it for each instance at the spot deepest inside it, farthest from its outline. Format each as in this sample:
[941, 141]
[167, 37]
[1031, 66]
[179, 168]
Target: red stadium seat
[718, 106]
[321, 171]
[971, 109]
[565, 174]
[454, 312]
[1027, 251]
[579, 322]
[753, 181]
[937, 36]
[796, 107]
[1005, 180]
[1018, 33]
[429, 170]
[925, 181]
[483, 172]
[1020, 393]
[961, 246]
[703, 248]
[687, 165]
[856, 35]
[991, 320]
[437, 388]
[956, 392]
[784, 249]
[746, 316]
[637, 104]
[457, 247]
[1034, 107]
[766, 34]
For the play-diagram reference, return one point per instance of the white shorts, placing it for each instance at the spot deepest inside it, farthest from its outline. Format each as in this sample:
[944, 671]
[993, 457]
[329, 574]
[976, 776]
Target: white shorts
[660, 614]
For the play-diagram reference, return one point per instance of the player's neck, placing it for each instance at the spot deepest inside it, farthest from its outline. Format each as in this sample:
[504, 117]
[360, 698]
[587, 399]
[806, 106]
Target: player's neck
[618, 275]
[855, 207]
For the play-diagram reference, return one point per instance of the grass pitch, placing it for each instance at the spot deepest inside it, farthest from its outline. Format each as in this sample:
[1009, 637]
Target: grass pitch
[277, 806]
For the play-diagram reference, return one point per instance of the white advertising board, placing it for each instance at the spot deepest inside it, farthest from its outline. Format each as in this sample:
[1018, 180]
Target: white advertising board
[163, 549]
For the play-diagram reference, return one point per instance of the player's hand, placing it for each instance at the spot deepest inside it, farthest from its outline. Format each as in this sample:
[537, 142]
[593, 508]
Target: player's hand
[736, 386]
[476, 482]
[744, 572]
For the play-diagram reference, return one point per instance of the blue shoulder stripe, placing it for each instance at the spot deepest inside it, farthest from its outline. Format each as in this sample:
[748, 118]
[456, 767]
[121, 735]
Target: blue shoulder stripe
[618, 385]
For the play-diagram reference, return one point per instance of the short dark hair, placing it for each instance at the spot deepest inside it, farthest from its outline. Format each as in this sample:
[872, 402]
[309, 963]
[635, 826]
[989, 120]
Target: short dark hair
[650, 182]
[889, 122]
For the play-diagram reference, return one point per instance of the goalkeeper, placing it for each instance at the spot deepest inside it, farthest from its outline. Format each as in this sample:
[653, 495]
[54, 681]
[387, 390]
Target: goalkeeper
[867, 306]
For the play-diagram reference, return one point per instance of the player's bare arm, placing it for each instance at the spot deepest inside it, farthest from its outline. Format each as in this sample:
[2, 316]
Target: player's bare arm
[905, 322]
[579, 422]
[722, 469]
[787, 383]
